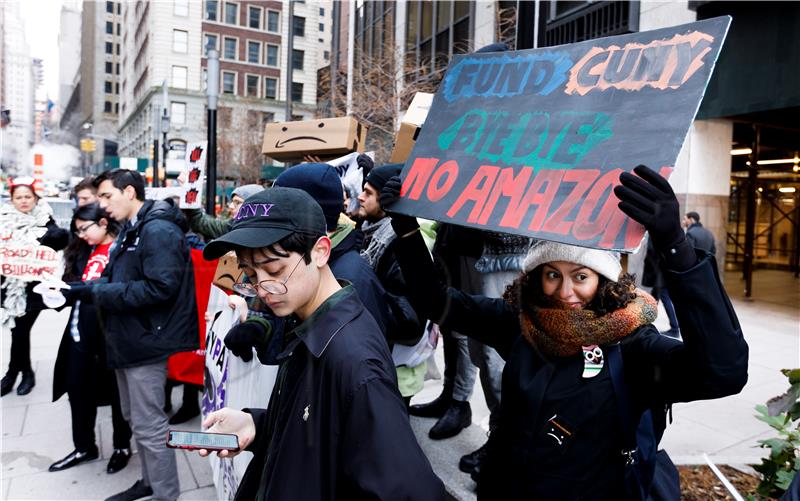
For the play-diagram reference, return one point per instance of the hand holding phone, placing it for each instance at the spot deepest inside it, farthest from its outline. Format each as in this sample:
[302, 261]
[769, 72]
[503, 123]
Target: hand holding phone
[229, 421]
[196, 440]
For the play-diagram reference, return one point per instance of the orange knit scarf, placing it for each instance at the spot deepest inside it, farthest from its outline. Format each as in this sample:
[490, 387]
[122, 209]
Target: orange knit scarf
[561, 332]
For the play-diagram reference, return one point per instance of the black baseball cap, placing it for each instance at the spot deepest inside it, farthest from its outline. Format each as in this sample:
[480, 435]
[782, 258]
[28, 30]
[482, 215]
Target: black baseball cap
[268, 217]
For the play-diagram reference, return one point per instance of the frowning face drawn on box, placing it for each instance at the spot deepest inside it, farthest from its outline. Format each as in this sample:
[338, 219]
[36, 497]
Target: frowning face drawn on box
[313, 134]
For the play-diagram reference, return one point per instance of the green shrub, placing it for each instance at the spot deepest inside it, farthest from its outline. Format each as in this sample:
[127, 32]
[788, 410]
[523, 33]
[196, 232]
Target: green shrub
[783, 414]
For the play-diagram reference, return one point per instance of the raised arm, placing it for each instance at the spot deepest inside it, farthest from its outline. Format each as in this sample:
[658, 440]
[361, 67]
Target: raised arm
[491, 321]
[711, 362]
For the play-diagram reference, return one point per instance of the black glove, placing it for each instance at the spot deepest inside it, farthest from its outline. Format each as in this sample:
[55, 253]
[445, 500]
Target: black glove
[648, 199]
[366, 164]
[76, 291]
[242, 338]
[390, 193]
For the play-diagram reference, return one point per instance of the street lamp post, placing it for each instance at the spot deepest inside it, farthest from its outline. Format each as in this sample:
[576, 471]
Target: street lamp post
[290, 63]
[212, 91]
[164, 145]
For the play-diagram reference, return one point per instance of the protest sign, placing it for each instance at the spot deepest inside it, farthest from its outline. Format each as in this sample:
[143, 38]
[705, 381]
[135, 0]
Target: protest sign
[532, 142]
[194, 176]
[230, 382]
[352, 177]
[28, 262]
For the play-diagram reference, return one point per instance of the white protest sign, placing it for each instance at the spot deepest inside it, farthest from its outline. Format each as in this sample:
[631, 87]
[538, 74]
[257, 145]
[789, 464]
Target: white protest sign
[352, 176]
[28, 262]
[195, 175]
[230, 382]
[151, 193]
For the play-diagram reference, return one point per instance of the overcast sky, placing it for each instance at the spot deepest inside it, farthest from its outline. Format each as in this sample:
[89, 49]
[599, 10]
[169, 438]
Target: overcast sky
[41, 18]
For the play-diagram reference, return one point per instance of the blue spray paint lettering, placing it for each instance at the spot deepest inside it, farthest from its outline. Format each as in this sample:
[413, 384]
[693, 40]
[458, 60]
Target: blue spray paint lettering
[506, 75]
[544, 140]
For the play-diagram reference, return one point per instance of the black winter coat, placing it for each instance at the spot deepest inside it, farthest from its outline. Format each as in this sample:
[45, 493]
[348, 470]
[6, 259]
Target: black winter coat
[701, 238]
[336, 427]
[97, 375]
[146, 292]
[524, 461]
[347, 264]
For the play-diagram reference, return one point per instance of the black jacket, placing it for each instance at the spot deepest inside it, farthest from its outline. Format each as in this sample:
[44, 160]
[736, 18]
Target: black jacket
[56, 237]
[701, 238]
[337, 428]
[147, 290]
[523, 460]
[347, 264]
[97, 376]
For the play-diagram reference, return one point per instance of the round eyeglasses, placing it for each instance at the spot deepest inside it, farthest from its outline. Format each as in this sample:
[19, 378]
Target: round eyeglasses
[274, 287]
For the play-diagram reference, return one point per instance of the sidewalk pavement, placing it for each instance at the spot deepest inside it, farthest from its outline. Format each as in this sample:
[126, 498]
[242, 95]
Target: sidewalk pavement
[36, 432]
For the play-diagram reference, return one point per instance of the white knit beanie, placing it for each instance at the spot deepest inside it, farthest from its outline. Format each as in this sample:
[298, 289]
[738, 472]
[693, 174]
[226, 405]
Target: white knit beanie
[603, 262]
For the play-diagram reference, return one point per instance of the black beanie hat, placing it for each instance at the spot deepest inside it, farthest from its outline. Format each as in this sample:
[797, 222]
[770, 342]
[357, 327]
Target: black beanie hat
[378, 176]
[322, 182]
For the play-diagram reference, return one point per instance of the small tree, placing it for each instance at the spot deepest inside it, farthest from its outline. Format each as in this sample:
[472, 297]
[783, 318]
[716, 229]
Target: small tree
[239, 138]
[377, 100]
[783, 414]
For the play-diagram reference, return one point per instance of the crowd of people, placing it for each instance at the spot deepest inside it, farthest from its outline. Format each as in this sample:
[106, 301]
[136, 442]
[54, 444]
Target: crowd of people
[571, 366]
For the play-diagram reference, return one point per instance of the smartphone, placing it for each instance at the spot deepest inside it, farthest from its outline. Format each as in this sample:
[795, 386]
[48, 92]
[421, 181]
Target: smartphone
[201, 440]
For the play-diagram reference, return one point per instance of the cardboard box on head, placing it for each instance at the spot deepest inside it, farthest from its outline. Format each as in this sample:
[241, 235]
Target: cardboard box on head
[228, 272]
[410, 126]
[324, 138]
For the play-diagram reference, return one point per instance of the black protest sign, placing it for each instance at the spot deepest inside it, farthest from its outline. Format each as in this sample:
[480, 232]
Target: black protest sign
[532, 142]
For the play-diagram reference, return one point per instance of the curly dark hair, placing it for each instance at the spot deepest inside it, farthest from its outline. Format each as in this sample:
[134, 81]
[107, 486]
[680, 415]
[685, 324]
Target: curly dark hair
[526, 291]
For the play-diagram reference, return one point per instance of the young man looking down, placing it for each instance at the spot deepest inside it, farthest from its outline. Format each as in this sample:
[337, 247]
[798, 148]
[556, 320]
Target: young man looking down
[336, 426]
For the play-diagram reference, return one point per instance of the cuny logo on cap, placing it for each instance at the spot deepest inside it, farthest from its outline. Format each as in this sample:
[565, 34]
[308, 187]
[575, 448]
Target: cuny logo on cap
[253, 210]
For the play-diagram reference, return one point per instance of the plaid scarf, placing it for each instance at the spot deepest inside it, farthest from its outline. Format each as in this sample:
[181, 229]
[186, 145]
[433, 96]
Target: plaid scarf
[560, 332]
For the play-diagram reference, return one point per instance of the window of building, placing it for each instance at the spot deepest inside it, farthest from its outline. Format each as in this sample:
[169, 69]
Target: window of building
[179, 76]
[119, 29]
[211, 10]
[231, 13]
[270, 88]
[180, 41]
[109, 87]
[326, 55]
[229, 47]
[251, 85]
[299, 24]
[110, 7]
[254, 17]
[209, 42]
[273, 21]
[228, 82]
[119, 9]
[177, 112]
[109, 27]
[109, 48]
[254, 52]
[109, 67]
[107, 107]
[180, 8]
[298, 57]
[321, 27]
[116, 69]
[117, 89]
[118, 49]
[321, 11]
[297, 91]
[272, 55]
[116, 108]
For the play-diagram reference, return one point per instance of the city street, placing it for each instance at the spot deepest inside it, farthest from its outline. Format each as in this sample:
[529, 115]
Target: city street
[36, 432]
